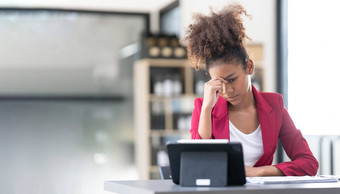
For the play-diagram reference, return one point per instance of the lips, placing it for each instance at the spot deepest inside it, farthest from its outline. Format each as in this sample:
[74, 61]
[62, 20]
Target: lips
[232, 98]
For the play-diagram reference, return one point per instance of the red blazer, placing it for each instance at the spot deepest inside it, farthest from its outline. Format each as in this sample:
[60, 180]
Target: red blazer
[276, 124]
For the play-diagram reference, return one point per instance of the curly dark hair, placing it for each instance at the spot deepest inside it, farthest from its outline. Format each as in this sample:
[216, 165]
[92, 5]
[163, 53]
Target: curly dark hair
[220, 35]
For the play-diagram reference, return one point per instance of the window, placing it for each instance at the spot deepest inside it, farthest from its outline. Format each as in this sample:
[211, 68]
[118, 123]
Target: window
[314, 65]
[66, 99]
[170, 19]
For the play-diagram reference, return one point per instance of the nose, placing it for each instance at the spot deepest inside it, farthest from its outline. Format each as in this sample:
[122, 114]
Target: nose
[229, 88]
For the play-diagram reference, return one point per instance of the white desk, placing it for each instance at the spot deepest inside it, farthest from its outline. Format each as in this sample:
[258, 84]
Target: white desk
[167, 187]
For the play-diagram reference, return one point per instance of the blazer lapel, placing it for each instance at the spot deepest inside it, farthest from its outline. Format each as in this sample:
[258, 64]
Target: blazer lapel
[220, 119]
[267, 120]
[266, 114]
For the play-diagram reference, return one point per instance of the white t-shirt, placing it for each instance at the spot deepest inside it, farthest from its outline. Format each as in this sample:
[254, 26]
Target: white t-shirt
[251, 143]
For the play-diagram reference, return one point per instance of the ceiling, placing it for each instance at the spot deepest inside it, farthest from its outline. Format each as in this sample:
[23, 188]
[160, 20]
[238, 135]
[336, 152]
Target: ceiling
[111, 5]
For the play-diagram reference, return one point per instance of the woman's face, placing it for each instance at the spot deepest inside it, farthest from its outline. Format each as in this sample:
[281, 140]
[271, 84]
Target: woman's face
[238, 80]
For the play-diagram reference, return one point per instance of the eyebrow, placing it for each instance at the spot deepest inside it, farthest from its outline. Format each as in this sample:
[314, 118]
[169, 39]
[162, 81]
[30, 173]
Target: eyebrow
[229, 75]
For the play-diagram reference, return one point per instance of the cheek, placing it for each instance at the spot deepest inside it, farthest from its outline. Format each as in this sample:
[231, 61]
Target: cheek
[241, 85]
[244, 80]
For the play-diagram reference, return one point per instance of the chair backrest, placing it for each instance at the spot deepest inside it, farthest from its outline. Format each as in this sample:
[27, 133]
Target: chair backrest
[165, 172]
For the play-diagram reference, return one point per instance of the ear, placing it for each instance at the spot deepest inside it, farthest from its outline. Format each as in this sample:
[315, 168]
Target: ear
[250, 67]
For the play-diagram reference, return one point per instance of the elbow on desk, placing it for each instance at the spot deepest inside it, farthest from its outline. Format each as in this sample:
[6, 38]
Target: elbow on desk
[300, 167]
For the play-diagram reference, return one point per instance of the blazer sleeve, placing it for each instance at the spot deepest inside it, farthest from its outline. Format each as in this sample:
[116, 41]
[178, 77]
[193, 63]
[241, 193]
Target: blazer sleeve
[302, 160]
[195, 118]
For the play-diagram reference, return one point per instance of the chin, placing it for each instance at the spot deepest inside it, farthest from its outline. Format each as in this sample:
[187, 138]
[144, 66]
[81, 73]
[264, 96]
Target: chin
[233, 103]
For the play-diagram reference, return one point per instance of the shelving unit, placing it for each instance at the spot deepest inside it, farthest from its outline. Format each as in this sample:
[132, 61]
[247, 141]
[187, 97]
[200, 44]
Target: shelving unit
[157, 116]
[150, 139]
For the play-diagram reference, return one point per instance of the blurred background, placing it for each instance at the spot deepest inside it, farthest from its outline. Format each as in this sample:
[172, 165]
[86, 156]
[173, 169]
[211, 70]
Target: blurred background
[91, 90]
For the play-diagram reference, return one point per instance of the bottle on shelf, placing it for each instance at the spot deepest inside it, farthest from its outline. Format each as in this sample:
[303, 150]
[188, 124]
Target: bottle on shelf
[178, 50]
[153, 50]
[158, 85]
[167, 86]
[162, 46]
[164, 43]
[177, 85]
[182, 123]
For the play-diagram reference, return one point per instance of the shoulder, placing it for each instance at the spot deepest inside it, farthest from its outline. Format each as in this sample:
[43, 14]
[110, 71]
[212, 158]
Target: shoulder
[273, 99]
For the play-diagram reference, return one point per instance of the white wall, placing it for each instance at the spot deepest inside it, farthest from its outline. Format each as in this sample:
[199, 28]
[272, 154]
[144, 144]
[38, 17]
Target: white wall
[261, 28]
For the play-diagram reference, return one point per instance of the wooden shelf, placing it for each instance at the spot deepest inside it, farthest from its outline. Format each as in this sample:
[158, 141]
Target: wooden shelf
[165, 62]
[143, 101]
[162, 132]
[154, 97]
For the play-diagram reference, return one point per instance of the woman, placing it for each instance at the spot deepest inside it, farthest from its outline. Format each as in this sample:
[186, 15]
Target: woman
[232, 108]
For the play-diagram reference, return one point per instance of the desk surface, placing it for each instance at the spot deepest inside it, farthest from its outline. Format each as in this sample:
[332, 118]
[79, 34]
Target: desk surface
[167, 187]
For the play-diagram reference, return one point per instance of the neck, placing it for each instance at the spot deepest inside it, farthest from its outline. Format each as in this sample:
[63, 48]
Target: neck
[248, 101]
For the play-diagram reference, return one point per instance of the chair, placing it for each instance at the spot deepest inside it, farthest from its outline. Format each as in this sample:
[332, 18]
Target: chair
[165, 172]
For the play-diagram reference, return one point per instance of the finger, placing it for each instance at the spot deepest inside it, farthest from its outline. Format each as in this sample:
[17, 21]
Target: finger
[216, 82]
[222, 80]
[218, 79]
[217, 88]
[214, 86]
[223, 89]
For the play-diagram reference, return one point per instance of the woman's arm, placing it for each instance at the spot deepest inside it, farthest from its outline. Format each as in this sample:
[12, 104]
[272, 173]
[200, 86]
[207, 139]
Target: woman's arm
[195, 117]
[296, 147]
[204, 127]
[263, 171]
[212, 90]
